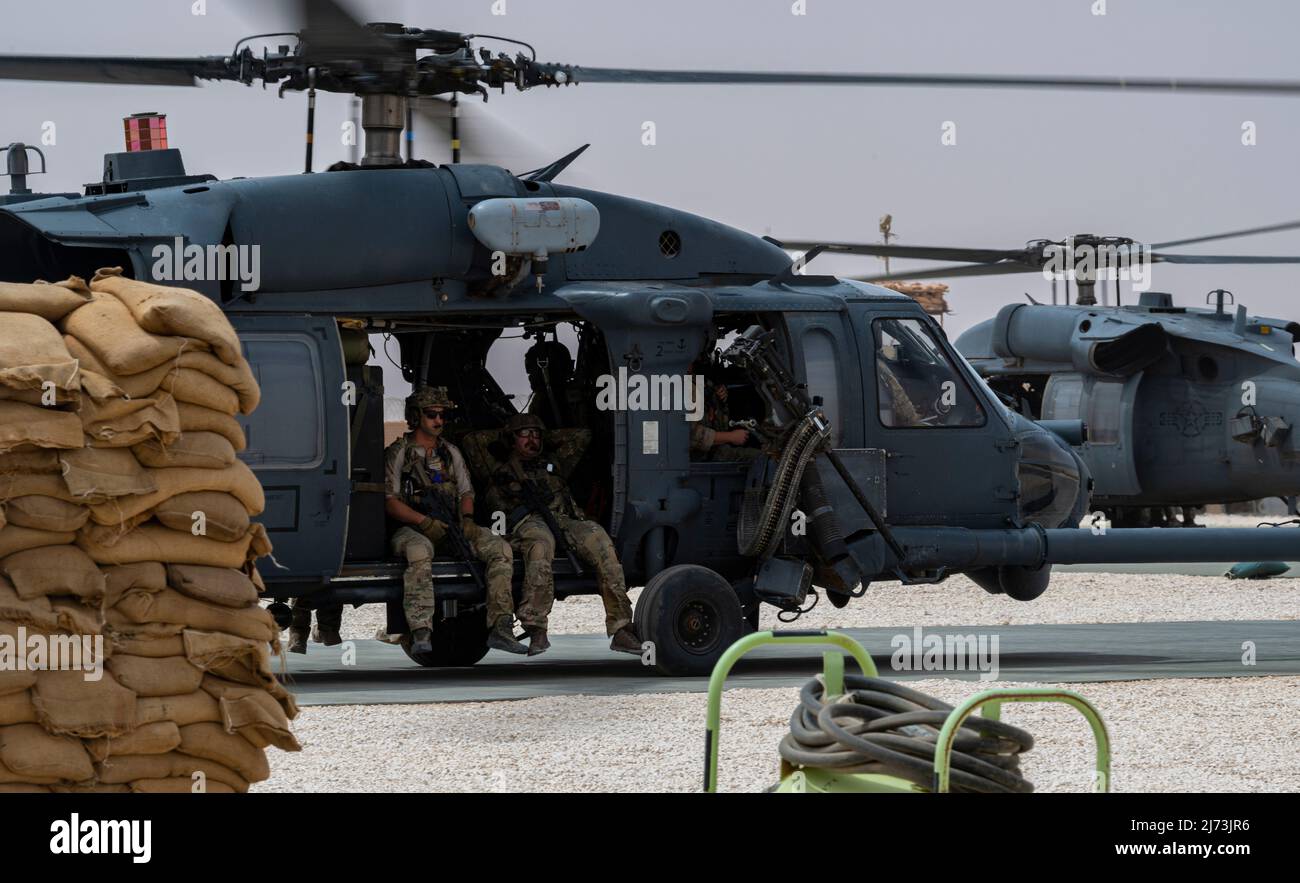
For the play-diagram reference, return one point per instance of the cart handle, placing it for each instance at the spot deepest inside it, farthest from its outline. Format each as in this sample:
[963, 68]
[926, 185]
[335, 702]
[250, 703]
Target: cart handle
[833, 669]
[943, 748]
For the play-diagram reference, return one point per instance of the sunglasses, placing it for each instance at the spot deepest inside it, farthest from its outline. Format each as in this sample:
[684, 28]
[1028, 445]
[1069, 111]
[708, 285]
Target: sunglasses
[529, 433]
[436, 415]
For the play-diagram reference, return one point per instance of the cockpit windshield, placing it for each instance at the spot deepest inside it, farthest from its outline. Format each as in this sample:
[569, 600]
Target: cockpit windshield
[917, 384]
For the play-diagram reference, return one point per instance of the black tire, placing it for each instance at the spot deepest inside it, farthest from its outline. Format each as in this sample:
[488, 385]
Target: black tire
[456, 642]
[691, 615]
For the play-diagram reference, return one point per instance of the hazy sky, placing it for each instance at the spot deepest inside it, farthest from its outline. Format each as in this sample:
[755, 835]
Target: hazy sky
[800, 162]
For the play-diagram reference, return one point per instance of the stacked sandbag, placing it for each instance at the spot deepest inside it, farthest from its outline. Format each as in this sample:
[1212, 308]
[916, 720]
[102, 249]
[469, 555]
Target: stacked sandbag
[125, 529]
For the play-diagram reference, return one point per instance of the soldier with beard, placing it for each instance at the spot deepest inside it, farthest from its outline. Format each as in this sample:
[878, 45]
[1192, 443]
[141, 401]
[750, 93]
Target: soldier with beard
[526, 480]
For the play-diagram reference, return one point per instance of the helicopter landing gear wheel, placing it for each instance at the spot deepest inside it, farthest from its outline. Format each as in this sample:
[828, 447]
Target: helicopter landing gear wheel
[458, 641]
[690, 614]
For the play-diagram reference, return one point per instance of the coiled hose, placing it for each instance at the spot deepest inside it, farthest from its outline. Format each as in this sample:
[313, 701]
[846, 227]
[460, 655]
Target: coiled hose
[880, 726]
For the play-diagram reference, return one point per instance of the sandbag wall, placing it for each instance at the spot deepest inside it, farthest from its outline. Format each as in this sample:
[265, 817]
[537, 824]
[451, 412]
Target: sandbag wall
[126, 546]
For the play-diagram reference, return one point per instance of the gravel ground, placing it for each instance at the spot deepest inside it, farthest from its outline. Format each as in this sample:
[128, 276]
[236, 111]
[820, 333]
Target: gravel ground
[1237, 734]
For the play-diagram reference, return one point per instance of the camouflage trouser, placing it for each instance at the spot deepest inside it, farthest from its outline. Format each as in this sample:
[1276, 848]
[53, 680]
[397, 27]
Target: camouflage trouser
[532, 541]
[326, 617]
[417, 582]
[733, 453]
[590, 545]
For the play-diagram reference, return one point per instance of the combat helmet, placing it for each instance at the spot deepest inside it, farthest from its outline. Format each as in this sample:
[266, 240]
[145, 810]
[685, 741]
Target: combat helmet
[521, 421]
[426, 397]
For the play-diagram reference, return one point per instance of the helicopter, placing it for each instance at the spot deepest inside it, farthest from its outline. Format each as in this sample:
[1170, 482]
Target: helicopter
[888, 457]
[1184, 406]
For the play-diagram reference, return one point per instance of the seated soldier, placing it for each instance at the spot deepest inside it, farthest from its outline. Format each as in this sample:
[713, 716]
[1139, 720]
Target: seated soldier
[422, 460]
[712, 436]
[520, 487]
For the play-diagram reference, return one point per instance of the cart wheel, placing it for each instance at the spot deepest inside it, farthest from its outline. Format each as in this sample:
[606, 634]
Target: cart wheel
[691, 615]
[459, 641]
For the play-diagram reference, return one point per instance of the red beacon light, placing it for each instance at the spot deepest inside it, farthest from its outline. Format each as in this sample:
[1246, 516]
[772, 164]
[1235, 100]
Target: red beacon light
[145, 131]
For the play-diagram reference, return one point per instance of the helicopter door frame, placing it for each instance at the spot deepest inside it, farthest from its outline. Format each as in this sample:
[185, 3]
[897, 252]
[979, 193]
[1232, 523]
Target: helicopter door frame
[299, 443]
[921, 470]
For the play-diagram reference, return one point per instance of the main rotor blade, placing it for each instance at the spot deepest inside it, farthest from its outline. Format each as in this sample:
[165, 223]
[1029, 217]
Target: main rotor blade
[1271, 228]
[330, 30]
[949, 272]
[485, 137]
[1134, 84]
[1221, 259]
[920, 252]
[104, 69]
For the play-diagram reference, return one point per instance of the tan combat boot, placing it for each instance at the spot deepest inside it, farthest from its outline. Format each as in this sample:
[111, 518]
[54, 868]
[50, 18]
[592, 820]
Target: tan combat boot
[538, 643]
[626, 641]
[502, 637]
[329, 637]
[297, 640]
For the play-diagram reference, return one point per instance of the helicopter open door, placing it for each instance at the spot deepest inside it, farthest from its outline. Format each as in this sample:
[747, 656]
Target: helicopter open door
[299, 443]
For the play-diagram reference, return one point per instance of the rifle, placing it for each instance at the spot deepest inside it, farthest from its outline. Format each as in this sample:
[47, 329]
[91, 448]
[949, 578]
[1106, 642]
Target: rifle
[433, 504]
[534, 502]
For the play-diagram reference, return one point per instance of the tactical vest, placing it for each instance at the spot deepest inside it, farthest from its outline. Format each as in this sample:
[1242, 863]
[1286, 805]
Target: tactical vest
[508, 492]
[438, 472]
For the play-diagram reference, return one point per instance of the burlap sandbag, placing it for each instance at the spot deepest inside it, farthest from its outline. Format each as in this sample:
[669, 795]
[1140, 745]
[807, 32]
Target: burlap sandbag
[195, 387]
[76, 618]
[223, 689]
[9, 777]
[229, 657]
[237, 377]
[120, 423]
[196, 418]
[180, 785]
[45, 513]
[149, 575]
[54, 570]
[17, 708]
[30, 462]
[41, 485]
[229, 588]
[96, 788]
[224, 518]
[171, 606]
[34, 612]
[27, 750]
[237, 480]
[50, 301]
[163, 309]
[135, 767]
[68, 703]
[153, 648]
[169, 676]
[152, 738]
[32, 355]
[196, 450]
[106, 327]
[153, 542]
[15, 539]
[212, 742]
[109, 535]
[23, 426]
[95, 473]
[255, 715]
[122, 628]
[16, 681]
[187, 708]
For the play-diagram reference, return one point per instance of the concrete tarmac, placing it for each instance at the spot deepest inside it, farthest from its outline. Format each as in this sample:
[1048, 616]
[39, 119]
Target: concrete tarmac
[373, 673]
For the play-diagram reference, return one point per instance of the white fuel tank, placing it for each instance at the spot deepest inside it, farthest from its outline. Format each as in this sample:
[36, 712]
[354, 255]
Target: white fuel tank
[535, 227]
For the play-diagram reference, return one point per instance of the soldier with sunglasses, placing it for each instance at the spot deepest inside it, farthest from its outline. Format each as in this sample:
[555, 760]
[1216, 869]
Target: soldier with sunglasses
[422, 459]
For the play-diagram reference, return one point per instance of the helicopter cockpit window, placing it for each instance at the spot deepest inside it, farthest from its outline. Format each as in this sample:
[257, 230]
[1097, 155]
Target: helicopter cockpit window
[917, 384]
